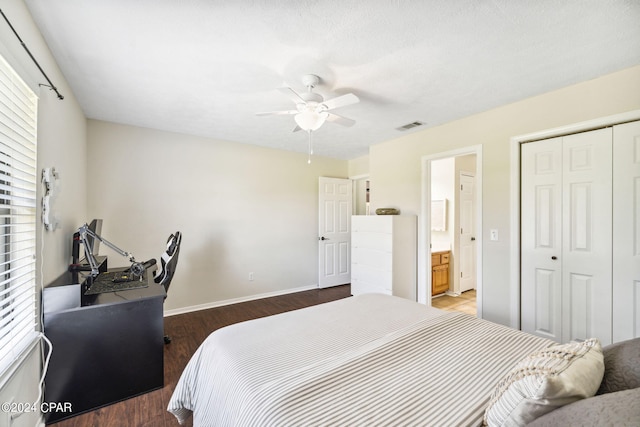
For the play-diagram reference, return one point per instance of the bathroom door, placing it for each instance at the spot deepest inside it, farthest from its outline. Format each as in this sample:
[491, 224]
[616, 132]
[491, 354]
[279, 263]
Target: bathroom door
[467, 231]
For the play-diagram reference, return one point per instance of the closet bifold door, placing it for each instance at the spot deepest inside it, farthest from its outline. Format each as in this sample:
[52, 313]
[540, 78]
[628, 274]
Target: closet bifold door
[626, 231]
[566, 226]
[587, 236]
[541, 238]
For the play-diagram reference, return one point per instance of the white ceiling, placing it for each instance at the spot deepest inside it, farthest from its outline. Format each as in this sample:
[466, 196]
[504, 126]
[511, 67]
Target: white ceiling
[205, 67]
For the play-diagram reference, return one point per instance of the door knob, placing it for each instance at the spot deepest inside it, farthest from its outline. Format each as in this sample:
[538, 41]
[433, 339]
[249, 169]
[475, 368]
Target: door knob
[554, 257]
[323, 238]
[473, 238]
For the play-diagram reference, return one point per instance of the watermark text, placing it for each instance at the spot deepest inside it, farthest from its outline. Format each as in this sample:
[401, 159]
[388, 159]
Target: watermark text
[44, 407]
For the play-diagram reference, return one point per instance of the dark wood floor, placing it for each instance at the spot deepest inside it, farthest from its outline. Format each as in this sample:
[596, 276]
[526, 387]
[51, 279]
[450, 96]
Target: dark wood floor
[187, 332]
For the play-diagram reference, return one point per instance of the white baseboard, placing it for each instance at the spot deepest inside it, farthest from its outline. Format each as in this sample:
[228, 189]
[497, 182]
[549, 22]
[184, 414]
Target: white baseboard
[215, 304]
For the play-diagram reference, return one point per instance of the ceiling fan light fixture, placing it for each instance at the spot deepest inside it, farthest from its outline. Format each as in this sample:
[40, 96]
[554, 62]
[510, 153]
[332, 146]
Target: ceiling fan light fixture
[312, 110]
[310, 120]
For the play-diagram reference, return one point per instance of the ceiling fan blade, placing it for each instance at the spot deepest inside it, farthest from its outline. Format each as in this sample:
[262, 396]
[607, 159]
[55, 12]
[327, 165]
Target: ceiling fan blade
[277, 113]
[296, 129]
[341, 101]
[340, 120]
[295, 97]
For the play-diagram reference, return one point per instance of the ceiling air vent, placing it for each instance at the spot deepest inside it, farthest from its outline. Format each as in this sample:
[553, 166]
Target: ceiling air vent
[410, 126]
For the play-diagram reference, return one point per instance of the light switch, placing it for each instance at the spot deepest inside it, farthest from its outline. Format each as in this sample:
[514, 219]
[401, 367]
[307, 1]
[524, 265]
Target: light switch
[494, 235]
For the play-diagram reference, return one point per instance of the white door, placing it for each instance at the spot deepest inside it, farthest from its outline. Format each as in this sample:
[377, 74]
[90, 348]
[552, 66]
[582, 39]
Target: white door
[541, 267]
[587, 235]
[566, 237]
[334, 238]
[467, 231]
[626, 231]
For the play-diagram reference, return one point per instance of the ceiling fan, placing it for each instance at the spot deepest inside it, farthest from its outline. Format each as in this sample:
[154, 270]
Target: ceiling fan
[311, 108]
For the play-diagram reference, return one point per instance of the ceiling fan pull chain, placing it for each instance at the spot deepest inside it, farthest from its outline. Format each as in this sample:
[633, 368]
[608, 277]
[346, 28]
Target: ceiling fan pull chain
[310, 149]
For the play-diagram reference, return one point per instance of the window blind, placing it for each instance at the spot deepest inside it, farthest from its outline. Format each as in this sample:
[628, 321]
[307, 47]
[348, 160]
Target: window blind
[18, 309]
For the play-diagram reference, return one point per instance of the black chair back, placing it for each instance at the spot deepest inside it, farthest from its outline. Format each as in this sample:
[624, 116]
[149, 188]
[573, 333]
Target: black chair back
[169, 260]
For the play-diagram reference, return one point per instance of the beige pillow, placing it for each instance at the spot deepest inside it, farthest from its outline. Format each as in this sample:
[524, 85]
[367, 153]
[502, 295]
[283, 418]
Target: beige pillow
[546, 380]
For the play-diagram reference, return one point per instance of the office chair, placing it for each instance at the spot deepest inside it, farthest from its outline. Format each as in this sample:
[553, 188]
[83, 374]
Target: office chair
[168, 263]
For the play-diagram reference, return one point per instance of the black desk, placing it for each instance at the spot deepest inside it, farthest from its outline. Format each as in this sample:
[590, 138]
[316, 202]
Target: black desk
[106, 347]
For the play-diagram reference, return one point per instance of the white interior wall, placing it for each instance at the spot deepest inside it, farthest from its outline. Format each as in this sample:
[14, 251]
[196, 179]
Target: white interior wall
[241, 209]
[359, 167]
[395, 166]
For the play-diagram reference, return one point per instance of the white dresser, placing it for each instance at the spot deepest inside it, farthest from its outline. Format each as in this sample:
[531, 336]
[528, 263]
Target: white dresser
[383, 255]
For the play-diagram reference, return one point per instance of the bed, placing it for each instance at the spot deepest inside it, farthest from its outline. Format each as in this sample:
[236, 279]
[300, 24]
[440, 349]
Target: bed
[367, 360]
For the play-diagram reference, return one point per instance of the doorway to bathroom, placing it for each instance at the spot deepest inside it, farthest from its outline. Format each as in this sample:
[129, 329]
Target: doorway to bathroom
[452, 233]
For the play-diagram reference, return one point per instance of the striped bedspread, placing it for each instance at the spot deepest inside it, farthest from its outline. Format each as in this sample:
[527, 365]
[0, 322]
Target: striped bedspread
[370, 360]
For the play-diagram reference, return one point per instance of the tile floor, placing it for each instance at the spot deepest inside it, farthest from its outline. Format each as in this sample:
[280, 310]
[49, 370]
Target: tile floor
[465, 303]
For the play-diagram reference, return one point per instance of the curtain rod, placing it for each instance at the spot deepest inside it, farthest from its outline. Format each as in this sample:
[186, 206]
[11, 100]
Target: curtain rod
[51, 85]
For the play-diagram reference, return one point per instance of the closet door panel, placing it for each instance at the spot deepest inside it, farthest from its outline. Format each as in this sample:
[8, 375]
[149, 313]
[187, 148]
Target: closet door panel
[547, 302]
[626, 231]
[541, 279]
[580, 303]
[587, 235]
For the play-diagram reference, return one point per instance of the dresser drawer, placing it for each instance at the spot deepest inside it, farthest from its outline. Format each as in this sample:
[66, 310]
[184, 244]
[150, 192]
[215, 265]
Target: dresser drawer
[380, 260]
[375, 241]
[372, 223]
[371, 276]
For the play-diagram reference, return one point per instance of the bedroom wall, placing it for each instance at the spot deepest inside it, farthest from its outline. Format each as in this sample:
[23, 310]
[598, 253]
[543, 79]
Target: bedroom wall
[359, 166]
[61, 144]
[395, 165]
[241, 209]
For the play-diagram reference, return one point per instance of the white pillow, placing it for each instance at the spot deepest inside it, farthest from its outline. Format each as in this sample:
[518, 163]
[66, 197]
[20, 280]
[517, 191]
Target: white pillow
[546, 380]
